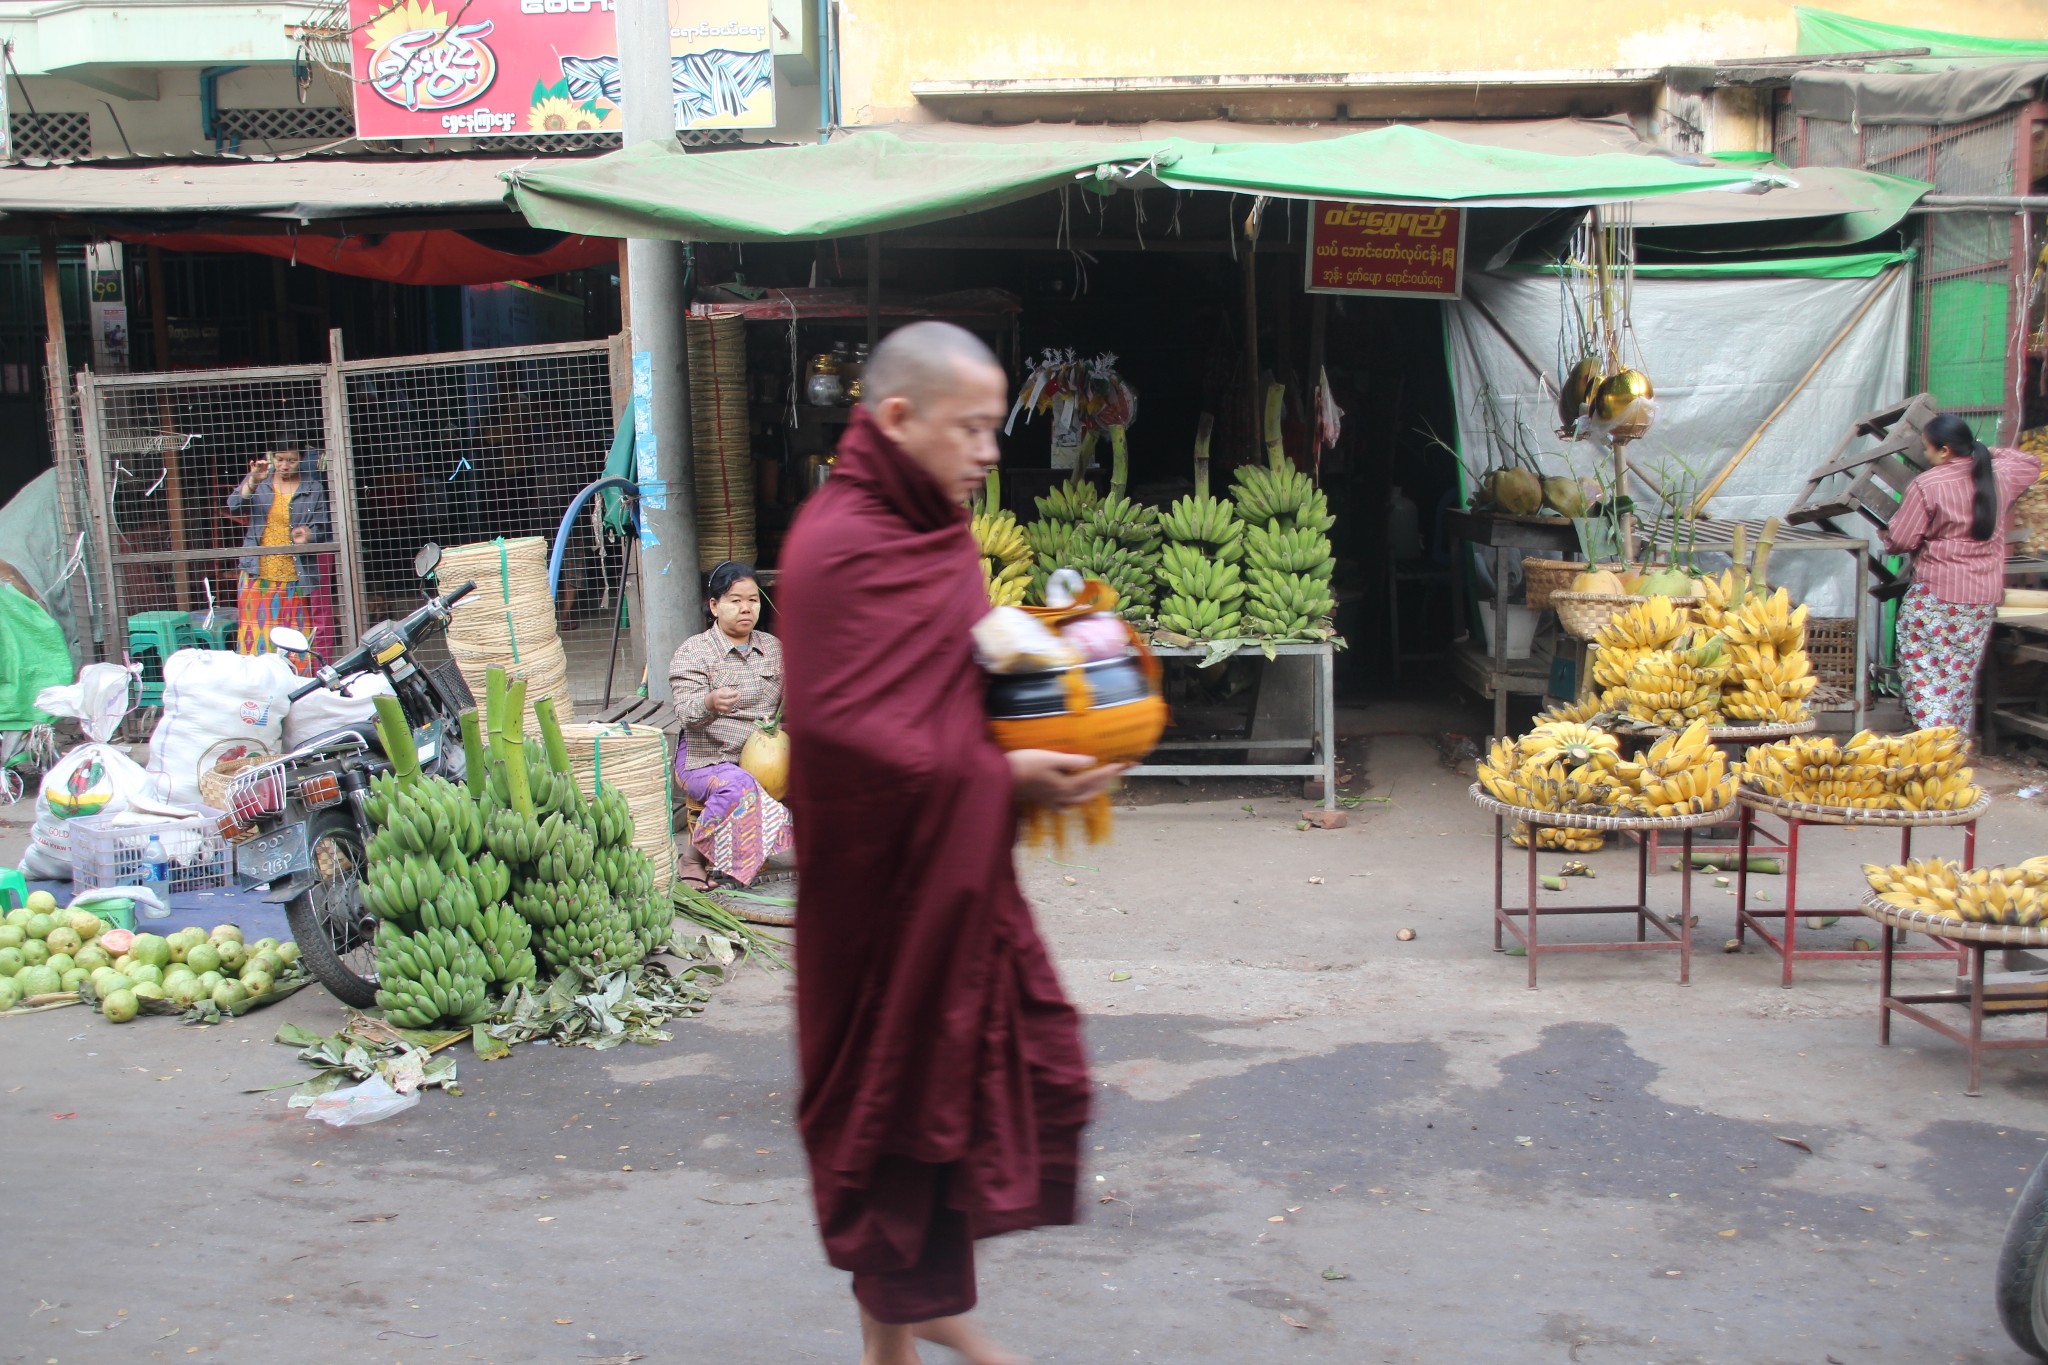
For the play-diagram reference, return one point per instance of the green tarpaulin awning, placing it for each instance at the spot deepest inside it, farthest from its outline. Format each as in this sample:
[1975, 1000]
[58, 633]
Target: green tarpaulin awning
[1408, 164]
[877, 181]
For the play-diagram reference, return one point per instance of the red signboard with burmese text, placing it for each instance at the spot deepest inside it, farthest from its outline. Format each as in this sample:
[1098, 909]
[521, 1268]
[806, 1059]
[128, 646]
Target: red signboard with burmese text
[1409, 251]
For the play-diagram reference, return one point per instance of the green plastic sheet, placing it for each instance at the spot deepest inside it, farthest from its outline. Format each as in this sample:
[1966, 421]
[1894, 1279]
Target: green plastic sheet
[1823, 31]
[32, 657]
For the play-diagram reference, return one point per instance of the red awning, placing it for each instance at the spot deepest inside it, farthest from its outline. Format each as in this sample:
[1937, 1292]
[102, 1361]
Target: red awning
[436, 257]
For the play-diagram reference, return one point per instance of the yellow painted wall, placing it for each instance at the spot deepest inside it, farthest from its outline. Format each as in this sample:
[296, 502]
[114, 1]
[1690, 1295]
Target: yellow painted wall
[886, 45]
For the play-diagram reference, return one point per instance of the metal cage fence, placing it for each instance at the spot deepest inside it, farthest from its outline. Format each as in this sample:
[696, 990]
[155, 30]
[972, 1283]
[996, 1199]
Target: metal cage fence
[162, 453]
[472, 446]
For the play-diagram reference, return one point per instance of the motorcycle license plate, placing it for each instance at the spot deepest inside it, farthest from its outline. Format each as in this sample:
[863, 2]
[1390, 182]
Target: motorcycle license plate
[277, 854]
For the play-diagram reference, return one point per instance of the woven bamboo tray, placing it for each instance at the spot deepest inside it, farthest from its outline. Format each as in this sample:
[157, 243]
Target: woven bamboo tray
[1582, 614]
[1728, 734]
[1868, 819]
[1611, 823]
[1941, 926]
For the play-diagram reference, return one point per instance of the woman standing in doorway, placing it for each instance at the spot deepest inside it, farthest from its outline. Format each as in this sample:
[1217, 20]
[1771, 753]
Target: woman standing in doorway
[1953, 521]
[279, 508]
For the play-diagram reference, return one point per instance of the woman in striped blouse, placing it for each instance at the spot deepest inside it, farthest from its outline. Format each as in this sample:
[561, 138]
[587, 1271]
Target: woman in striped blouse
[1953, 521]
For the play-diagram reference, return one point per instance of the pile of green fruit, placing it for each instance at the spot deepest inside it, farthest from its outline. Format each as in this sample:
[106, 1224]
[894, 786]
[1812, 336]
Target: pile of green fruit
[483, 884]
[45, 951]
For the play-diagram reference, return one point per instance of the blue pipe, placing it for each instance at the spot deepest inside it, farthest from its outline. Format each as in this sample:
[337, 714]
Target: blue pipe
[209, 102]
[569, 524]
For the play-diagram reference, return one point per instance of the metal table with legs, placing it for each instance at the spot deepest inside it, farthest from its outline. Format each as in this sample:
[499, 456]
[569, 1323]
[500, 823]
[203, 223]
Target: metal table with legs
[1974, 941]
[1523, 921]
[1320, 742]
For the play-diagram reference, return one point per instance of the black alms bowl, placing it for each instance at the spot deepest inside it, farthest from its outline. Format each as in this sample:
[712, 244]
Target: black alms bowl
[1027, 696]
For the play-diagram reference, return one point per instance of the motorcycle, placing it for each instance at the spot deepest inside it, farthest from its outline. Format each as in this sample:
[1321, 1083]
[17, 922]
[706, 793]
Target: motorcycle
[2022, 1283]
[297, 823]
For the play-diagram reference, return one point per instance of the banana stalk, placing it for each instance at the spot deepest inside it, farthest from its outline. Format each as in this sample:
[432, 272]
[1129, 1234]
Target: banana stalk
[551, 735]
[1276, 450]
[510, 740]
[1119, 462]
[1203, 431]
[396, 734]
[475, 770]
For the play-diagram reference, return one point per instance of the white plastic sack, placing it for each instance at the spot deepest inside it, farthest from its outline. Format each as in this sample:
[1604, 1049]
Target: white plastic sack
[318, 712]
[217, 706]
[93, 779]
[355, 1105]
[97, 700]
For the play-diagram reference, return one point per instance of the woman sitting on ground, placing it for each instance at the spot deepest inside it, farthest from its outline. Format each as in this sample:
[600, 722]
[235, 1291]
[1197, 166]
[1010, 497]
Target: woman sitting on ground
[723, 682]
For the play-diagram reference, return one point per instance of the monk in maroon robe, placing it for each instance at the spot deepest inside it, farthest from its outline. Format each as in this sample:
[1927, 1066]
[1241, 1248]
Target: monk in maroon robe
[944, 1082]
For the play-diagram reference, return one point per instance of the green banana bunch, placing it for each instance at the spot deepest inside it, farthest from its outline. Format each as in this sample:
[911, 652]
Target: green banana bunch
[1206, 521]
[455, 906]
[1285, 606]
[1069, 501]
[514, 839]
[506, 941]
[435, 976]
[1128, 523]
[565, 852]
[1289, 549]
[395, 888]
[611, 819]
[652, 917]
[489, 879]
[1198, 618]
[625, 871]
[1187, 572]
[1131, 572]
[589, 930]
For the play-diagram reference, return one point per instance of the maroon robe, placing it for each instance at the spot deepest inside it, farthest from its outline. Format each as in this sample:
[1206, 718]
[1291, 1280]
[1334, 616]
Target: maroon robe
[944, 1081]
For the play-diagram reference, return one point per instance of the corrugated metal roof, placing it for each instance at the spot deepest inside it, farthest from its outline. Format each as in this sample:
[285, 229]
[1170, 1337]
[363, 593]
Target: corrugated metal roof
[305, 189]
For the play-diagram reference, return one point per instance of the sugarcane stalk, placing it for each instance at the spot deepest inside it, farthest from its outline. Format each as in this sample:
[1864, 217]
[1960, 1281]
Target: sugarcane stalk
[395, 732]
[475, 770]
[1204, 429]
[1276, 450]
[551, 734]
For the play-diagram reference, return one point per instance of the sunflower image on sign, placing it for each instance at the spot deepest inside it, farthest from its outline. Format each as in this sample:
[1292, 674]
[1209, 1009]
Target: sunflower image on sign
[418, 60]
[554, 111]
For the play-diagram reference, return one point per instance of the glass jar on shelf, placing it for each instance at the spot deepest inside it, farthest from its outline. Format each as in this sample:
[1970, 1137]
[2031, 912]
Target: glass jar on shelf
[822, 387]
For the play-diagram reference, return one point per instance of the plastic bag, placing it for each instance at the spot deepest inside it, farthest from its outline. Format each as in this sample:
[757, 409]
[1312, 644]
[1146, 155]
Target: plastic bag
[93, 779]
[355, 1105]
[97, 701]
[318, 712]
[1012, 640]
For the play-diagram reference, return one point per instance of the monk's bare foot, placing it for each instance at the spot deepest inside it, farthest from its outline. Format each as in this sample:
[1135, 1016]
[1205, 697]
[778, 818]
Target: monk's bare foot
[964, 1334]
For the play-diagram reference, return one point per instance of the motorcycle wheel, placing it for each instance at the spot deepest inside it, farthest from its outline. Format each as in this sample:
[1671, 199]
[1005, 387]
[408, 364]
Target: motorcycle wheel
[2023, 1268]
[334, 933]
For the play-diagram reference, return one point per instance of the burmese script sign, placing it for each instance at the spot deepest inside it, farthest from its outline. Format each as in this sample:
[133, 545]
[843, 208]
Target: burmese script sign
[1402, 250]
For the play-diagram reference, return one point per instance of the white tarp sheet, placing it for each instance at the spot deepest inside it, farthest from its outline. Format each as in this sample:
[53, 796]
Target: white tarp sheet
[1723, 351]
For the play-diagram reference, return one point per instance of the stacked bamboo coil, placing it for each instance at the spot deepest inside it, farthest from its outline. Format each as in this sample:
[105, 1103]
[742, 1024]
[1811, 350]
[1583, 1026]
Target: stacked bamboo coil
[720, 450]
[509, 620]
[635, 760]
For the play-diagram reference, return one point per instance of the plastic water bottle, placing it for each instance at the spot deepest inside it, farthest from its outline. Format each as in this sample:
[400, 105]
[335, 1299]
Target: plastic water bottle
[156, 869]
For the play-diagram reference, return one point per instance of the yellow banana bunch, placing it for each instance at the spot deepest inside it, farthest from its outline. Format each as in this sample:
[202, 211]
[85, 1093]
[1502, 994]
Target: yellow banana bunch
[1684, 774]
[1770, 674]
[1574, 743]
[1006, 557]
[1558, 837]
[1999, 895]
[1629, 635]
[1571, 712]
[1918, 771]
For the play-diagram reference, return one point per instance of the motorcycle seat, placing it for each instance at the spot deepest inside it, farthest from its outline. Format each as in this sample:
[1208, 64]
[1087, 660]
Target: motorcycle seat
[365, 731]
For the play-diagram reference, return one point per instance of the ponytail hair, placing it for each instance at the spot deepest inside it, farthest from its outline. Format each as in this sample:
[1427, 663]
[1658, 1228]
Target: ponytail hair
[1951, 433]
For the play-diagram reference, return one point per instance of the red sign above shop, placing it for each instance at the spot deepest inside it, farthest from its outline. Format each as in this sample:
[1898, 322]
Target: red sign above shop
[496, 68]
[1400, 250]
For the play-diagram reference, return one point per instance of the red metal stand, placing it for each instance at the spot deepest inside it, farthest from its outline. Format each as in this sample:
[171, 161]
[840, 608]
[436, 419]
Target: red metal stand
[1975, 1044]
[1521, 920]
[1748, 918]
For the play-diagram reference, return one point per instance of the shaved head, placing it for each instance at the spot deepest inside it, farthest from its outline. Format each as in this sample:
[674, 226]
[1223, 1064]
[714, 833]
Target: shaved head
[921, 361]
[938, 393]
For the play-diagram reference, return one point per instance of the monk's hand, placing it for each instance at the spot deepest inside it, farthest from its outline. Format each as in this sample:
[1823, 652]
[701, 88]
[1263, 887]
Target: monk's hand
[723, 701]
[1042, 777]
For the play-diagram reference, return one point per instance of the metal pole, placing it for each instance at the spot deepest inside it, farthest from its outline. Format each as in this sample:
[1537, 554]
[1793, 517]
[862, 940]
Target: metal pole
[671, 606]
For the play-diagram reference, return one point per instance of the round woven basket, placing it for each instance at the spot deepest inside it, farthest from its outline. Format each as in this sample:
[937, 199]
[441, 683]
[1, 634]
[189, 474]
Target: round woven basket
[634, 759]
[1573, 820]
[1869, 819]
[1941, 926]
[1582, 614]
[1545, 577]
[509, 620]
[721, 451]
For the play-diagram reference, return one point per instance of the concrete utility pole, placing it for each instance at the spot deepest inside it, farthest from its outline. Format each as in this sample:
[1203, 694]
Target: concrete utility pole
[671, 602]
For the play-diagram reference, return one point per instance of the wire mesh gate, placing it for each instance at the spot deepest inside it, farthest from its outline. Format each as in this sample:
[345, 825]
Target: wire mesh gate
[454, 448]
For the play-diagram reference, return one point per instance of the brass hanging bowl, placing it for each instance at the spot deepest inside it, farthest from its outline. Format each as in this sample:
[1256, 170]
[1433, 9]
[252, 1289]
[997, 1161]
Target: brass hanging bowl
[1619, 391]
[1577, 391]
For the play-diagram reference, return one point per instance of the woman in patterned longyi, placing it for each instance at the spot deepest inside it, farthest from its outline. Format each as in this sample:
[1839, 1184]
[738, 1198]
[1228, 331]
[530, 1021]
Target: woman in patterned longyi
[1953, 521]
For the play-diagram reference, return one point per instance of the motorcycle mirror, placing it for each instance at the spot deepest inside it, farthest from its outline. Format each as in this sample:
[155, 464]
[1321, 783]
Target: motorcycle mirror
[284, 637]
[427, 560]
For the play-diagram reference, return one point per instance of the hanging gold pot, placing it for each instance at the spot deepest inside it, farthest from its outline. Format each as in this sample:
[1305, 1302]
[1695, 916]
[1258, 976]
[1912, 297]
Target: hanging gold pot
[1619, 391]
[1577, 390]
